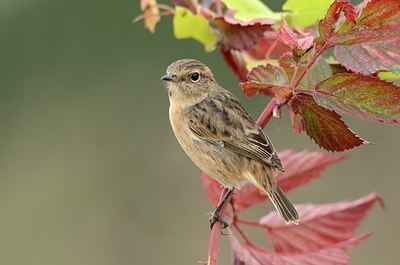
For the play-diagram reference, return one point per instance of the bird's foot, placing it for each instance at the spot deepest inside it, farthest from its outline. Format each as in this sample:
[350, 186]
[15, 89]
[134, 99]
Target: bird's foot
[215, 217]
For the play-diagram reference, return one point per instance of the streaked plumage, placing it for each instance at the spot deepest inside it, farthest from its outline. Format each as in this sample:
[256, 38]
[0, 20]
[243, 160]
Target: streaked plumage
[219, 135]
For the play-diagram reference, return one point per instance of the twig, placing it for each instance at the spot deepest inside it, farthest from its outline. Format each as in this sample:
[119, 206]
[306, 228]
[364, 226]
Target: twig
[216, 234]
[219, 8]
[311, 63]
[250, 223]
[267, 113]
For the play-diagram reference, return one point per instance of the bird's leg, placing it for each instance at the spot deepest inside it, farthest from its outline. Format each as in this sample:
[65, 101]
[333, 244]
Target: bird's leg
[215, 215]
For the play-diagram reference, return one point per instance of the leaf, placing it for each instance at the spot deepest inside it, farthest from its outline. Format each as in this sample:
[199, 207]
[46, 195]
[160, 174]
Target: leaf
[241, 35]
[390, 76]
[378, 19]
[320, 226]
[188, 25]
[364, 97]
[371, 57]
[236, 62]
[322, 125]
[287, 36]
[304, 13]
[318, 72]
[336, 254]
[268, 79]
[247, 10]
[327, 25]
[267, 47]
[151, 14]
[300, 168]
[212, 187]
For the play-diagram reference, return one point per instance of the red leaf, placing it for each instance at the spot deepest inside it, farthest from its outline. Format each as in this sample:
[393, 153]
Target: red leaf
[370, 57]
[364, 97]
[287, 37]
[326, 26]
[267, 47]
[303, 167]
[320, 225]
[236, 62]
[322, 125]
[336, 254]
[378, 19]
[239, 35]
[268, 79]
[212, 187]
[300, 169]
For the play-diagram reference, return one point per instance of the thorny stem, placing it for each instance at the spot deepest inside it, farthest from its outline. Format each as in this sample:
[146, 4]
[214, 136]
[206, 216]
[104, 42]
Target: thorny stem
[311, 63]
[216, 234]
[267, 113]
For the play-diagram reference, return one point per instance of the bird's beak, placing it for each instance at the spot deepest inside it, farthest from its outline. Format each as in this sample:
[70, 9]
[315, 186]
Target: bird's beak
[169, 78]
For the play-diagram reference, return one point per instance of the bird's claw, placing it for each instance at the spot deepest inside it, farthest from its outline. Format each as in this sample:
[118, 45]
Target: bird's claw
[214, 218]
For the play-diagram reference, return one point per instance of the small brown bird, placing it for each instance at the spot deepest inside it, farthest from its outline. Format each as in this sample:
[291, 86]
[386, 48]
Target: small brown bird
[220, 137]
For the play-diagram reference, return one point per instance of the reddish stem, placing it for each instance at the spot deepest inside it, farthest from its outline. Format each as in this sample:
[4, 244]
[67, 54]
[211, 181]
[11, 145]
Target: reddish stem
[250, 223]
[311, 63]
[219, 8]
[216, 234]
[267, 113]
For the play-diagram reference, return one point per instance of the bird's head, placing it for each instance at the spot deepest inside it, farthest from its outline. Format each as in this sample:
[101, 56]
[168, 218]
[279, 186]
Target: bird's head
[189, 81]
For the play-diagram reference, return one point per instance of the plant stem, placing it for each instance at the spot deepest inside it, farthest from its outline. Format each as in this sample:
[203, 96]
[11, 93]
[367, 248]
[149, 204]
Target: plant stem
[216, 234]
[267, 113]
[250, 223]
[311, 63]
[219, 8]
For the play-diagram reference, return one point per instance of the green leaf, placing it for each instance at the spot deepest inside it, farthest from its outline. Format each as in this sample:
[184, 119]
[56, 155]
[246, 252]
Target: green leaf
[188, 25]
[305, 13]
[388, 75]
[322, 125]
[364, 97]
[247, 10]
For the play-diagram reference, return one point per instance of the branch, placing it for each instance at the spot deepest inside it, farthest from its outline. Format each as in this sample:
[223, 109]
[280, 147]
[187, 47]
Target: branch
[216, 234]
[267, 113]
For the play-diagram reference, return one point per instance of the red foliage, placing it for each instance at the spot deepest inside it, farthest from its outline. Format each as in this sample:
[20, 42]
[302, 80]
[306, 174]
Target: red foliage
[287, 37]
[321, 225]
[322, 125]
[238, 35]
[316, 91]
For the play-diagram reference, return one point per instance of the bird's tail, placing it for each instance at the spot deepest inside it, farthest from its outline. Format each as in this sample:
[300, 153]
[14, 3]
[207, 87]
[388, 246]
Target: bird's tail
[283, 205]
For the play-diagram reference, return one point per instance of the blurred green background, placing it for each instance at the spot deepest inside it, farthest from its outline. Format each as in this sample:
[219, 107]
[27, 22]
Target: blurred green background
[90, 172]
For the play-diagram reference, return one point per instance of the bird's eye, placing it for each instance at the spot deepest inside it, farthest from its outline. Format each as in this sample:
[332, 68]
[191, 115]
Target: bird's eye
[195, 77]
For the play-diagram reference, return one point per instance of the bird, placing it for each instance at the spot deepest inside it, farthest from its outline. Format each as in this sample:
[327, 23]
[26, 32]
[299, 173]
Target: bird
[220, 137]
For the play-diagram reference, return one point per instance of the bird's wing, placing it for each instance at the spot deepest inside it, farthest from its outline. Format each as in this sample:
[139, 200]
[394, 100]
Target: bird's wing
[223, 121]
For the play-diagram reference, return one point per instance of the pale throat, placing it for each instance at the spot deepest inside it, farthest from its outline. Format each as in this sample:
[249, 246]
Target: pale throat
[182, 99]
